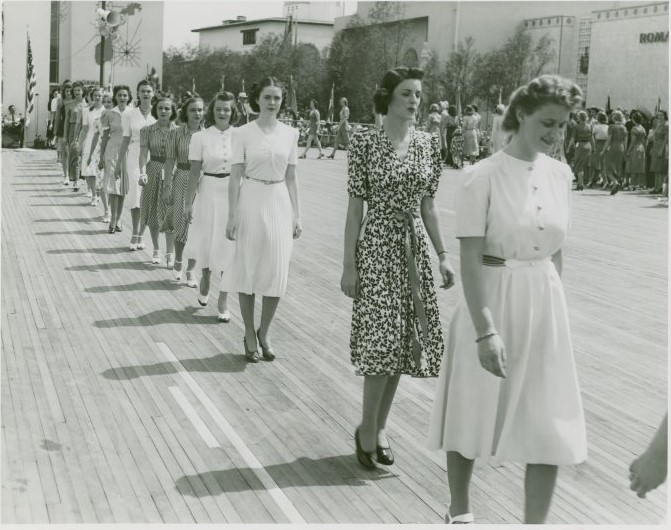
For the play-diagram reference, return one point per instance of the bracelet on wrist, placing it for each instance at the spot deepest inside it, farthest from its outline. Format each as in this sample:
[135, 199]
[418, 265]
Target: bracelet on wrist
[442, 252]
[486, 336]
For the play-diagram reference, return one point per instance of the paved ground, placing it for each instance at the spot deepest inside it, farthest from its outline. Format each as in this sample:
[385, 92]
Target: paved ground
[123, 401]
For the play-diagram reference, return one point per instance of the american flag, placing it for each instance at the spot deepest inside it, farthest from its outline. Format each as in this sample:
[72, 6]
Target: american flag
[32, 82]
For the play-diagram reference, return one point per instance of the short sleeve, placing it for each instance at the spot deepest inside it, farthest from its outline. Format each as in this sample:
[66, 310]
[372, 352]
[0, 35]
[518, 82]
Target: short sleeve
[293, 153]
[568, 178]
[357, 164]
[85, 116]
[238, 146]
[144, 136]
[436, 166]
[472, 203]
[171, 144]
[104, 120]
[196, 147]
[125, 123]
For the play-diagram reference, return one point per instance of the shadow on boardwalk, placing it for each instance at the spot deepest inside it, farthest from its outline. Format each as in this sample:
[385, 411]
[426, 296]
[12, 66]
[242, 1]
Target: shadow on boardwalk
[162, 316]
[152, 285]
[223, 363]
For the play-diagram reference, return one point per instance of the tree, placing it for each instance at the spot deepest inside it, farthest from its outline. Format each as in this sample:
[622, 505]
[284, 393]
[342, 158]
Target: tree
[460, 70]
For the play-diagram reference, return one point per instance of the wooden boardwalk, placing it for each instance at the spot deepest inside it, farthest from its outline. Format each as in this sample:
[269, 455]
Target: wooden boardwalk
[123, 401]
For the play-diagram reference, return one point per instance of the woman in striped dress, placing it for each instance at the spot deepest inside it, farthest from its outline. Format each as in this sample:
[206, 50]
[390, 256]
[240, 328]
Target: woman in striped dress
[175, 183]
[211, 151]
[153, 142]
[115, 180]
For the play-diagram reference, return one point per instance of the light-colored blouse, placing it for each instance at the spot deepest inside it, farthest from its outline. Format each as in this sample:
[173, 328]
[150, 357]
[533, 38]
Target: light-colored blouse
[265, 156]
[212, 147]
[132, 123]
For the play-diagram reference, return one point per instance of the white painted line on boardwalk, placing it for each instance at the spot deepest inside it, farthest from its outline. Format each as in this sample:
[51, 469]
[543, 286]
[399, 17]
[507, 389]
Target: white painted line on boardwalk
[191, 413]
[250, 460]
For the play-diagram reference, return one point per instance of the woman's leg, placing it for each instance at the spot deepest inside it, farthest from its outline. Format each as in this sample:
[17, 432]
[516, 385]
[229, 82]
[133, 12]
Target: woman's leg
[307, 146]
[247, 313]
[459, 473]
[169, 244]
[539, 486]
[179, 252]
[268, 308]
[374, 387]
[222, 303]
[91, 183]
[153, 231]
[204, 287]
[319, 146]
[135, 218]
[385, 407]
[114, 209]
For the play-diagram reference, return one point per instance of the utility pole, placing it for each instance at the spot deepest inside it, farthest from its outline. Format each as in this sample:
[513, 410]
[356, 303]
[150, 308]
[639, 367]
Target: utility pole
[102, 52]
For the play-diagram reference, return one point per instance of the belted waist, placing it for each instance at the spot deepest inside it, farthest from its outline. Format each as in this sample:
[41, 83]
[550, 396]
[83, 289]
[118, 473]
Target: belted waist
[184, 165]
[266, 182]
[160, 159]
[217, 175]
[493, 261]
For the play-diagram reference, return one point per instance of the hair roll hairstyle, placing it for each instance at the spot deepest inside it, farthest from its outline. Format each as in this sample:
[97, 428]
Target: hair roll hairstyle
[78, 84]
[118, 88]
[390, 81]
[163, 96]
[257, 88]
[222, 96]
[184, 106]
[602, 117]
[540, 91]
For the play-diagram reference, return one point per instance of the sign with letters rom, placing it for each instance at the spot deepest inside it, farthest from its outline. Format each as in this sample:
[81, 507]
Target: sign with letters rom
[657, 36]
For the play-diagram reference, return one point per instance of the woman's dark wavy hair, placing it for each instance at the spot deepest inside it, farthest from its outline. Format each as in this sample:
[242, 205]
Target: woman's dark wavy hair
[117, 88]
[257, 88]
[540, 91]
[390, 81]
[452, 110]
[162, 96]
[92, 90]
[221, 96]
[183, 109]
[78, 84]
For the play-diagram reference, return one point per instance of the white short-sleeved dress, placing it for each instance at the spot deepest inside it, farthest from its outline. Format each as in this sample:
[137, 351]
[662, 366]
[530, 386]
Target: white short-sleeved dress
[535, 415]
[264, 239]
[132, 122]
[91, 118]
[207, 242]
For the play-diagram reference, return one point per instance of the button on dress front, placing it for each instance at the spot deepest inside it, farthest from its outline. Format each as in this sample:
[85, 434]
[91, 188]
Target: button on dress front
[535, 414]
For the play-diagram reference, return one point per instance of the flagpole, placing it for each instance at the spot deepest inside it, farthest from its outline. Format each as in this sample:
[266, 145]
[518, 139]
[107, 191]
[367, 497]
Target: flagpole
[25, 94]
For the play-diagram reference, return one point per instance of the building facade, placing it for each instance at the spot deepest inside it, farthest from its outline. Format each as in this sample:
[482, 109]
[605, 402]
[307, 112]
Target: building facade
[615, 47]
[240, 34]
[65, 43]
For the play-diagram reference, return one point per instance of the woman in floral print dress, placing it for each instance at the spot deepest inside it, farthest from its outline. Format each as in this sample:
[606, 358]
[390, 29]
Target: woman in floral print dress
[396, 327]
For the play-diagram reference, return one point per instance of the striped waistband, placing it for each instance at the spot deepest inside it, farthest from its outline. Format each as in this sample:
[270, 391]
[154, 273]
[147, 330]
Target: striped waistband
[159, 159]
[183, 165]
[266, 182]
[217, 175]
[493, 261]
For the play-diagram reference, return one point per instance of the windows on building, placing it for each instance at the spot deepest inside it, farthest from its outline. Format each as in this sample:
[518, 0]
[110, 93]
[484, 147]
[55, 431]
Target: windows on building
[249, 36]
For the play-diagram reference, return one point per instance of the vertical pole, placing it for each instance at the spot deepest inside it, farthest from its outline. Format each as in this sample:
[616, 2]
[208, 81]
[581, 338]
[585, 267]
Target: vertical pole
[102, 52]
[561, 31]
[25, 96]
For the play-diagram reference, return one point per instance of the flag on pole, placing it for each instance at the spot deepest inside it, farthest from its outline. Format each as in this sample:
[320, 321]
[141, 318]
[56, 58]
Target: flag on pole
[500, 89]
[459, 101]
[193, 85]
[659, 105]
[329, 114]
[223, 78]
[608, 104]
[31, 82]
[243, 87]
[293, 104]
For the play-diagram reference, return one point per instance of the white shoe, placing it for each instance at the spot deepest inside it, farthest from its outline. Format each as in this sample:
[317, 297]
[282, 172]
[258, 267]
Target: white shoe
[224, 317]
[66, 182]
[202, 300]
[464, 518]
[190, 280]
[106, 217]
[155, 258]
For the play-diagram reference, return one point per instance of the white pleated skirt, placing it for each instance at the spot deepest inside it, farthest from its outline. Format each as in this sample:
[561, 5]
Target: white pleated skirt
[133, 172]
[534, 415]
[264, 241]
[206, 241]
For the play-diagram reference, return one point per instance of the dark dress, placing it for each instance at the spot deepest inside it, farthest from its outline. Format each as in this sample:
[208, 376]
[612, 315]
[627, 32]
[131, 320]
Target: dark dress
[386, 326]
[615, 154]
[636, 151]
[152, 207]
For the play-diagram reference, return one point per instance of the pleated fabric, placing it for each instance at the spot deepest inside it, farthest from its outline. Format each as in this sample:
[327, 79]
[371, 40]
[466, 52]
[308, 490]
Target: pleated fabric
[133, 174]
[533, 416]
[207, 242]
[264, 241]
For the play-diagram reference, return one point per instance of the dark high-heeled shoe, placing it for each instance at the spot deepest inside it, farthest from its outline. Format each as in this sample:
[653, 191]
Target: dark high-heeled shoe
[364, 458]
[385, 456]
[615, 188]
[268, 354]
[251, 356]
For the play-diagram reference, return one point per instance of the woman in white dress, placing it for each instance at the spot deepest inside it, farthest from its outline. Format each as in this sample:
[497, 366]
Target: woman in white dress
[129, 154]
[498, 138]
[91, 116]
[508, 389]
[210, 153]
[264, 213]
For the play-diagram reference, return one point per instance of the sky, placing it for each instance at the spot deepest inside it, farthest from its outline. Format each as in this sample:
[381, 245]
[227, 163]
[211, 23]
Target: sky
[180, 17]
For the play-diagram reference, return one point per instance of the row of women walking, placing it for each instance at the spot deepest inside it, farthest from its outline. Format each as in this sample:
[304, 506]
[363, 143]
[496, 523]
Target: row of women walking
[507, 381]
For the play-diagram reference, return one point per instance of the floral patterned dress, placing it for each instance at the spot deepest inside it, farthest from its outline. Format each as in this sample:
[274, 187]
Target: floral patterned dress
[396, 326]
